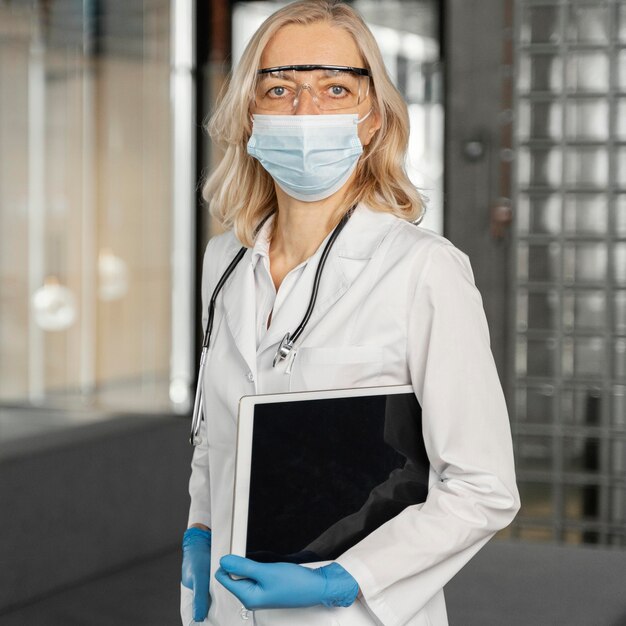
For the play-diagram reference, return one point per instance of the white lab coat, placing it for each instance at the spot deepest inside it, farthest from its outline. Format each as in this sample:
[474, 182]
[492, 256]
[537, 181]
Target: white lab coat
[397, 305]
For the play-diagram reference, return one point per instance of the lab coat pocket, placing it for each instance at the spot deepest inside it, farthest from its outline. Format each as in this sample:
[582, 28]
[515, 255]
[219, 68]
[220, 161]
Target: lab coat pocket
[336, 368]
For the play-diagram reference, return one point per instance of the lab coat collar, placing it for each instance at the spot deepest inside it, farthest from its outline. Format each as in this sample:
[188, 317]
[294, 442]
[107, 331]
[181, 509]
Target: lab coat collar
[355, 246]
[363, 233]
[261, 248]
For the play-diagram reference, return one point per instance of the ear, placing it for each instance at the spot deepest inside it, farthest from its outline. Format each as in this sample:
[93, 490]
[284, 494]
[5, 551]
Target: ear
[376, 121]
[370, 127]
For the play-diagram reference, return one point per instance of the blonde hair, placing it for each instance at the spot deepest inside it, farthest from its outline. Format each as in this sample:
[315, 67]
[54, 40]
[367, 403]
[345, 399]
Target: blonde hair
[241, 193]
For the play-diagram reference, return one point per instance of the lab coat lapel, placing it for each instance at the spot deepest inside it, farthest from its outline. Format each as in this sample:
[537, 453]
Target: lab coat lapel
[332, 286]
[239, 307]
[352, 251]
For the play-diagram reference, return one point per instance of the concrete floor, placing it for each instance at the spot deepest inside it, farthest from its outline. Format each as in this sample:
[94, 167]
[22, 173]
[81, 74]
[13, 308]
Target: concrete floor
[146, 593]
[506, 584]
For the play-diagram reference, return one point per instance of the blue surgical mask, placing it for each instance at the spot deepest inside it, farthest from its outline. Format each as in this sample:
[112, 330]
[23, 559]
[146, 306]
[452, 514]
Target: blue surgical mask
[310, 157]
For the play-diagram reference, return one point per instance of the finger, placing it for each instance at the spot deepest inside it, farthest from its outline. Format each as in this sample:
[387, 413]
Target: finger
[240, 566]
[223, 578]
[241, 589]
[200, 599]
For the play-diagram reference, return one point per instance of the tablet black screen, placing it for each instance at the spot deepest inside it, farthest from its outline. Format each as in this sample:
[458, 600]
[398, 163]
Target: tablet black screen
[327, 472]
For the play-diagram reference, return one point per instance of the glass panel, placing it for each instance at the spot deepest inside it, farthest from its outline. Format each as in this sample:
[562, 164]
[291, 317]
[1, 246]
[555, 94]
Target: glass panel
[620, 358]
[539, 215]
[540, 120]
[543, 310]
[621, 70]
[588, 24]
[544, 262]
[582, 407]
[582, 501]
[619, 262]
[15, 206]
[543, 357]
[617, 464]
[534, 452]
[520, 356]
[587, 71]
[620, 119]
[587, 167]
[522, 310]
[620, 215]
[589, 357]
[567, 310]
[621, 19]
[581, 454]
[585, 262]
[618, 506]
[589, 310]
[586, 214]
[587, 119]
[619, 300]
[539, 166]
[536, 405]
[540, 25]
[536, 499]
[85, 205]
[522, 261]
[620, 167]
[540, 72]
[619, 406]
[567, 357]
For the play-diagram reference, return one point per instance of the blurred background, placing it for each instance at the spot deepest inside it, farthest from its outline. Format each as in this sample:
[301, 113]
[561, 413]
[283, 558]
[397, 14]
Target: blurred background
[518, 139]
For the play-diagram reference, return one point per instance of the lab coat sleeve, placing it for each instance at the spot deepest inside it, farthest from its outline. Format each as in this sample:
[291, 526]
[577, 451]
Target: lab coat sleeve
[199, 488]
[405, 562]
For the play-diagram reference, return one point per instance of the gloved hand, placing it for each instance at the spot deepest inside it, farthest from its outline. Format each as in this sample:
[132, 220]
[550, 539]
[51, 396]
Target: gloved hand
[286, 585]
[196, 569]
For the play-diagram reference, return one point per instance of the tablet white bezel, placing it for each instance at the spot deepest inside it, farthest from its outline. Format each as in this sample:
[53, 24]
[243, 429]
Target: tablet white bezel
[245, 428]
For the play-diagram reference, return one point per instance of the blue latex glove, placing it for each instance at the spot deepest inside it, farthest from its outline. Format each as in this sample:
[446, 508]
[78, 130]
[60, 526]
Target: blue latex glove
[286, 585]
[196, 569]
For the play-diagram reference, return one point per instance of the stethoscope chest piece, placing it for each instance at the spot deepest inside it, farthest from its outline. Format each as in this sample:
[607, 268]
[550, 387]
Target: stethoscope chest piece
[284, 348]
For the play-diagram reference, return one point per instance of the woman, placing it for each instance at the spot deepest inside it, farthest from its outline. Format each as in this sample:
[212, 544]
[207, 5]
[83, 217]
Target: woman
[306, 146]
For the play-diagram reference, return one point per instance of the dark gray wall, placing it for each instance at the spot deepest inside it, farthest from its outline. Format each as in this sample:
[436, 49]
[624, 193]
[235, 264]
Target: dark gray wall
[473, 44]
[89, 499]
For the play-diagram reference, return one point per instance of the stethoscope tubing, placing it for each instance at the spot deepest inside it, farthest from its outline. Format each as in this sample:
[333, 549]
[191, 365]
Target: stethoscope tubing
[286, 345]
[318, 276]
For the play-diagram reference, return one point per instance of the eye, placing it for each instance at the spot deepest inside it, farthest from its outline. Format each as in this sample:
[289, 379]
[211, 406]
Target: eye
[277, 92]
[337, 90]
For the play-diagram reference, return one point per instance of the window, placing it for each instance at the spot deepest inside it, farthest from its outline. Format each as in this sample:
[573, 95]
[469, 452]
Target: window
[96, 204]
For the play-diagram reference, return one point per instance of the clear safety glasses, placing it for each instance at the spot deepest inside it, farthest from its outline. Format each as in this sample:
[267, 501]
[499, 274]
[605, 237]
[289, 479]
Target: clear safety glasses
[278, 90]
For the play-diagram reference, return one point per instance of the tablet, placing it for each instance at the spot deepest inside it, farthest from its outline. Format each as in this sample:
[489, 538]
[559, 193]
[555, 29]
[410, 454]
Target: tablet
[318, 471]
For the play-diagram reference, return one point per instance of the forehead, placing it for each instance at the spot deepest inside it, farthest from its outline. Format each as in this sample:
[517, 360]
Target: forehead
[313, 44]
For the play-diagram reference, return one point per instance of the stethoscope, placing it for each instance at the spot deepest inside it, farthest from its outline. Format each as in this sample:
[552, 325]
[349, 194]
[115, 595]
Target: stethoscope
[288, 341]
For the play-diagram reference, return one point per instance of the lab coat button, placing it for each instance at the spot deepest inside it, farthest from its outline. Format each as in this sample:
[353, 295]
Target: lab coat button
[245, 615]
[250, 377]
